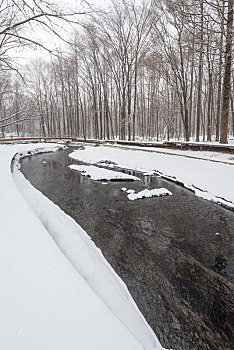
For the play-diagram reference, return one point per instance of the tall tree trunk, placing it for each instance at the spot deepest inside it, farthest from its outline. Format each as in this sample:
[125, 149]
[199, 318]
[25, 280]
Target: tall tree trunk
[232, 110]
[218, 109]
[191, 86]
[199, 87]
[210, 87]
[227, 76]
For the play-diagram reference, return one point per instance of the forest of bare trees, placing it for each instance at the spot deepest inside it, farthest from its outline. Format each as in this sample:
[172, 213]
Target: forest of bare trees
[159, 69]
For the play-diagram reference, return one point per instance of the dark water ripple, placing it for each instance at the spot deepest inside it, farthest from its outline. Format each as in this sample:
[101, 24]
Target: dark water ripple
[166, 250]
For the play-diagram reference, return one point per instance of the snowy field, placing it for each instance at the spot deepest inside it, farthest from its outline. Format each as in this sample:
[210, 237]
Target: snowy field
[57, 290]
[209, 180]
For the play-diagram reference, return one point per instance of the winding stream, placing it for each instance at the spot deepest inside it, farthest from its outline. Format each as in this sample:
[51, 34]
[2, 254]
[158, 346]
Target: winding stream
[174, 253]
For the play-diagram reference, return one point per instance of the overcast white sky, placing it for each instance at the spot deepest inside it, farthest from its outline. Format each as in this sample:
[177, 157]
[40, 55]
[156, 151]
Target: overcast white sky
[49, 40]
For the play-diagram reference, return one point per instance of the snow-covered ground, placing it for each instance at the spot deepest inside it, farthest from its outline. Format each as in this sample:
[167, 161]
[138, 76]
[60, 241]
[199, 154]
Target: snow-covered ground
[57, 290]
[205, 155]
[209, 180]
[100, 174]
[182, 139]
[192, 140]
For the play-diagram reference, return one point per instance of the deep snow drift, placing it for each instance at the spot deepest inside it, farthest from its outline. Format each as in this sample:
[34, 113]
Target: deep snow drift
[209, 180]
[57, 296]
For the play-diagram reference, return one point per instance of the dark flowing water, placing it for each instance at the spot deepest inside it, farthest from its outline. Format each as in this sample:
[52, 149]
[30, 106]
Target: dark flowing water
[167, 250]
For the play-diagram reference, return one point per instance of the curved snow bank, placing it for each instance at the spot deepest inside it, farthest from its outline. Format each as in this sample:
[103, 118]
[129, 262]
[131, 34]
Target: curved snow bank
[49, 301]
[211, 181]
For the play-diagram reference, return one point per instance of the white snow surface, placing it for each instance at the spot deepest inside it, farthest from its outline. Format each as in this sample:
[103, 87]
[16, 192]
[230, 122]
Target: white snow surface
[156, 192]
[57, 290]
[206, 155]
[209, 180]
[101, 174]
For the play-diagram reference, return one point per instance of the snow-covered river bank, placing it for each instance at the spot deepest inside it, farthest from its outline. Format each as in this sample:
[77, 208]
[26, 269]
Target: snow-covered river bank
[174, 253]
[50, 298]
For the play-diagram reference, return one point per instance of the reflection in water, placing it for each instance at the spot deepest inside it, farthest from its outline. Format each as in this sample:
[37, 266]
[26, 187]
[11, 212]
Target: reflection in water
[165, 249]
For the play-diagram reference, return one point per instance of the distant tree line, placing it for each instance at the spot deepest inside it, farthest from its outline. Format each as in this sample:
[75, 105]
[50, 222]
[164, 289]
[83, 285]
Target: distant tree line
[152, 69]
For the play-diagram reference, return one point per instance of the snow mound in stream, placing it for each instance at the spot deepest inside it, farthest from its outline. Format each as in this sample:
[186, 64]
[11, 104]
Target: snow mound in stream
[156, 192]
[102, 174]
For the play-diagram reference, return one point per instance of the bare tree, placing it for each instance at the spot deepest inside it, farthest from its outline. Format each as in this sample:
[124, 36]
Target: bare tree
[227, 75]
